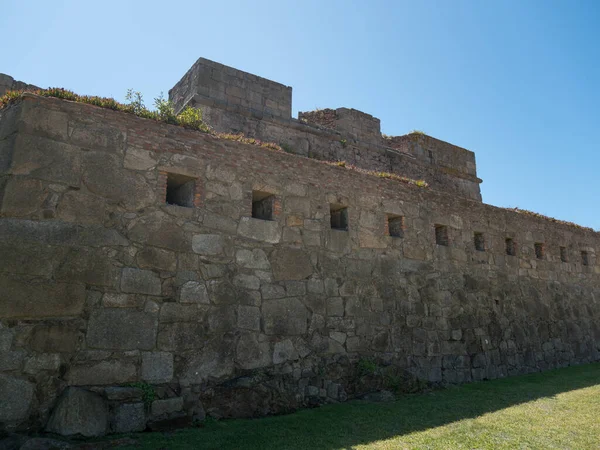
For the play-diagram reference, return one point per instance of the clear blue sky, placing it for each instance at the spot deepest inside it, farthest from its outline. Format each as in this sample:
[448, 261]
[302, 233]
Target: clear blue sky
[518, 82]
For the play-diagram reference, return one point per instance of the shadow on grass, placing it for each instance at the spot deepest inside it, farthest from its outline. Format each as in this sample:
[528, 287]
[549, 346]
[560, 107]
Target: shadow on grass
[355, 423]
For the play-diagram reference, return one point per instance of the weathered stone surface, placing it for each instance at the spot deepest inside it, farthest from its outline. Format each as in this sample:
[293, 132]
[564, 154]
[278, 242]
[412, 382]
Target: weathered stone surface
[246, 281]
[11, 360]
[122, 329]
[252, 354]
[120, 393]
[16, 395]
[182, 336]
[36, 300]
[102, 373]
[177, 312]
[291, 264]
[157, 367]
[156, 258]
[138, 159]
[89, 266]
[79, 207]
[208, 244]
[47, 159]
[128, 418]
[284, 351]
[167, 406]
[215, 361]
[22, 197]
[222, 292]
[248, 318]
[38, 363]
[79, 412]
[260, 230]
[113, 300]
[158, 230]
[104, 176]
[138, 281]
[284, 317]
[252, 259]
[194, 292]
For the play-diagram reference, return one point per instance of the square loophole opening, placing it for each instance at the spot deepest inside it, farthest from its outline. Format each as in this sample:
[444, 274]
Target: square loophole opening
[262, 205]
[180, 190]
[479, 242]
[585, 258]
[339, 217]
[540, 250]
[511, 247]
[441, 235]
[395, 225]
[564, 257]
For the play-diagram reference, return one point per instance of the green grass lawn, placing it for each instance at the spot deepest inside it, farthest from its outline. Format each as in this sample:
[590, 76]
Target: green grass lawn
[558, 409]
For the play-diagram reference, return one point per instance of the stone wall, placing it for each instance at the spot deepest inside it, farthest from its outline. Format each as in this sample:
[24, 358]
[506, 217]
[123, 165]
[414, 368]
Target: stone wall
[206, 309]
[343, 134]
[8, 83]
[221, 85]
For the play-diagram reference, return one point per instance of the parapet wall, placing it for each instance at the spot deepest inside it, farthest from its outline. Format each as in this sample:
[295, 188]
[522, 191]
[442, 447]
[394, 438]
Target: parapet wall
[211, 83]
[238, 102]
[103, 284]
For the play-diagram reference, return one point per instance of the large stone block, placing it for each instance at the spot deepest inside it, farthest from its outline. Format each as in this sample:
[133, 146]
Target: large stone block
[139, 159]
[47, 159]
[56, 337]
[128, 418]
[89, 266]
[182, 336]
[23, 197]
[11, 360]
[46, 361]
[194, 292]
[260, 230]
[102, 373]
[122, 329]
[137, 281]
[214, 361]
[159, 230]
[284, 351]
[291, 264]
[79, 412]
[177, 312]
[207, 244]
[252, 354]
[79, 207]
[157, 367]
[104, 176]
[15, 398]
[156, 258]
[167, 406]
[284, 317]
[108, 136]
[46, 232]
[252, 259]
[23, 299]
[248, 317]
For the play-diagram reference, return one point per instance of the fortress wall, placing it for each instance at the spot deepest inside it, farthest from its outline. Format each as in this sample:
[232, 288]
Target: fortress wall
[332, 145]
[358, 125]
[103, 284]
[222, 85]
[348, 135]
